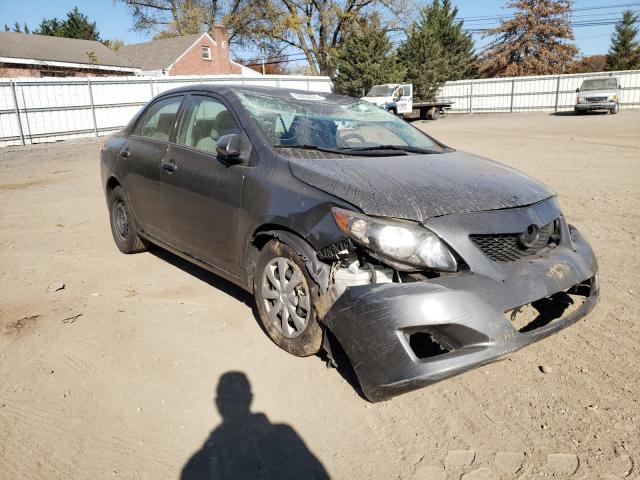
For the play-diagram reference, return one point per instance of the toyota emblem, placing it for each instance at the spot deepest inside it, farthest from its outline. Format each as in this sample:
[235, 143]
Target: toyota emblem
[529, 237]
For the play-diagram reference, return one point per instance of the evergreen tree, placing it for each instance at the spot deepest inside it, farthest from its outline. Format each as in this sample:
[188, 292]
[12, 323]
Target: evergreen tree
[458, 44]
[624, 53]
[365, 58]
[536, 41]
[424, 60]
[17, 28]
[437, 49]
[76, 25]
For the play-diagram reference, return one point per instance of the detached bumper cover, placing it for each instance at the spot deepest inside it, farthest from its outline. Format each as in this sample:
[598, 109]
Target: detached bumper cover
[466, 312]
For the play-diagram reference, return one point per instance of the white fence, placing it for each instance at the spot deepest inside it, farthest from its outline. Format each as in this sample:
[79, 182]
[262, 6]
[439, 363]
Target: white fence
[50, 109]
[521, 94]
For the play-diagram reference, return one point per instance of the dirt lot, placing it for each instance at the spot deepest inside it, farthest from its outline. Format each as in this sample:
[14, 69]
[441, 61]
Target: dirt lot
[115, 375]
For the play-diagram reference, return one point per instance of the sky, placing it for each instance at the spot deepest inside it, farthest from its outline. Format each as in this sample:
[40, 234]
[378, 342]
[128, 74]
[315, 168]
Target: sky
[114, 22]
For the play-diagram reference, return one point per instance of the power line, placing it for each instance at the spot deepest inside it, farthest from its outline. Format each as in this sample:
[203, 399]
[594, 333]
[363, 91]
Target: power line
[480, 29]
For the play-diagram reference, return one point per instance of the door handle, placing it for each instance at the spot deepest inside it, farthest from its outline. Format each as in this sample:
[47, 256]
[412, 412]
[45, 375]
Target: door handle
[170, 167]
[124, 153]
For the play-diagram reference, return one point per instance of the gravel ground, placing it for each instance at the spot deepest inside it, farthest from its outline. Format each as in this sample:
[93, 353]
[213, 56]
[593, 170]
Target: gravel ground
[143, 365]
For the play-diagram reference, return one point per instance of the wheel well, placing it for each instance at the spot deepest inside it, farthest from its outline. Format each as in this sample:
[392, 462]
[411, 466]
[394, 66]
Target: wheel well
[111, 184]
[261, 236]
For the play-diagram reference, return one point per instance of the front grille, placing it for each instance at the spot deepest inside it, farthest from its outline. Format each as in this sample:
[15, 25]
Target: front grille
[596, 99]
[508, 247]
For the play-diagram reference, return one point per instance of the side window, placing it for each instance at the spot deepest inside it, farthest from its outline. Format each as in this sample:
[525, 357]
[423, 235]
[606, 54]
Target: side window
[205, 122]
[159, 118]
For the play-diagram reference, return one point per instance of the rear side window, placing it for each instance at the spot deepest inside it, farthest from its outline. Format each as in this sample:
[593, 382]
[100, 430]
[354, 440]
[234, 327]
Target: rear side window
[157, 122]
[205, 122]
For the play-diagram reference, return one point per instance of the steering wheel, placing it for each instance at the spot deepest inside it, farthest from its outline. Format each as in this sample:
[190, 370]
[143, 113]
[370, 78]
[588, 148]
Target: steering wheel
[351, 138]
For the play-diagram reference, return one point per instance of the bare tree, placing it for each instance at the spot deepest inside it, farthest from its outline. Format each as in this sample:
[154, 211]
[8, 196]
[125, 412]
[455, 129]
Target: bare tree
[313, 27]
[536, 41]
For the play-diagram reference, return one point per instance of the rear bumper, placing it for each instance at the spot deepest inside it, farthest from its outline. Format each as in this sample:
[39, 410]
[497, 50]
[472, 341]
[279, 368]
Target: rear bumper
[464, 313]
[584, 107]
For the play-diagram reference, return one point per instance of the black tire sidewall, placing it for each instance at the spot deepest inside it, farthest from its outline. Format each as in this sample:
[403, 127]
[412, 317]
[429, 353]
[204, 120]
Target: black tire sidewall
[309, 342]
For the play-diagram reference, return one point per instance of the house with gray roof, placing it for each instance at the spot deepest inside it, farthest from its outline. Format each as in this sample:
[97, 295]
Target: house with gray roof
[198, 54]
[28, 55]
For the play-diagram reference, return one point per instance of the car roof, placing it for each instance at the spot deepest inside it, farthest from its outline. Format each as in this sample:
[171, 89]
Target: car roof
[225, 89]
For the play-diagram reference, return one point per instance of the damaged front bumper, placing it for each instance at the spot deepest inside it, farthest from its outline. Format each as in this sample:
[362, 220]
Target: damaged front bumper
[404, 336]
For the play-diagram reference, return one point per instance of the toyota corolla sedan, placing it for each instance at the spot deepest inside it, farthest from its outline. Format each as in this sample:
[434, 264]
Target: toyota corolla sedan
[351, 228]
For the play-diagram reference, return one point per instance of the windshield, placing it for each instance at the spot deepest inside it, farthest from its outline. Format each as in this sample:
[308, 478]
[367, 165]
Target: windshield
[320, 124]
[381, 91]
[599, 84]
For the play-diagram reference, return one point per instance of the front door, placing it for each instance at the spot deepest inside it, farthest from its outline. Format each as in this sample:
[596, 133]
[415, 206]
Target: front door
[141, 158]
[203, 193]
[404, 96]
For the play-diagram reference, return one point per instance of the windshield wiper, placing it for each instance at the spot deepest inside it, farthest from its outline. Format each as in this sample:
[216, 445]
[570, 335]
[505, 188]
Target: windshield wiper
[400, 148]
[364, 152]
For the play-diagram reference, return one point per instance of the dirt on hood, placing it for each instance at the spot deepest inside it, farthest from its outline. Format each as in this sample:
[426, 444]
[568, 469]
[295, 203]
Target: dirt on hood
[418, 187]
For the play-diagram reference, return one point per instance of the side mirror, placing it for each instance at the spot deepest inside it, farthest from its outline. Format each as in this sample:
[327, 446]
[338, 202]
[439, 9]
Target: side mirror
[577, 90]
[228, 148]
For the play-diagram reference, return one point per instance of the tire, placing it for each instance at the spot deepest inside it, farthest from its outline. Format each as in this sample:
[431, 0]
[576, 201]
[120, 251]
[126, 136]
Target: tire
[615, 109]
[433, 113]
[300, 335]
[122, 225]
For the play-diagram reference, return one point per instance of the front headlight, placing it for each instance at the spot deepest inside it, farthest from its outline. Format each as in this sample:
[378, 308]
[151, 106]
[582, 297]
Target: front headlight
[406, 243]
[613, 98]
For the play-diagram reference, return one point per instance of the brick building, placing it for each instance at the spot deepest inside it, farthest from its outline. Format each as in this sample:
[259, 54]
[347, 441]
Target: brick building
[197, 54]
[29, 55]
[24, 55]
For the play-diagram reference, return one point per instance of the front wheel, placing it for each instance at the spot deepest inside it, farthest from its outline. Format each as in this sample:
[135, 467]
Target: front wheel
[122, 226]
[615, 109]
[285, 297]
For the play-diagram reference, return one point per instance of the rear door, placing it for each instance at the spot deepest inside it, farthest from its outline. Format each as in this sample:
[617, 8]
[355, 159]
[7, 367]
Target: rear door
[203, 192]
[141, 158]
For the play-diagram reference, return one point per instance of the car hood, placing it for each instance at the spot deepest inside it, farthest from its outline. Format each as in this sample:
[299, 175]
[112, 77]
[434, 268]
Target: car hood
[597, 93]
[418, 187]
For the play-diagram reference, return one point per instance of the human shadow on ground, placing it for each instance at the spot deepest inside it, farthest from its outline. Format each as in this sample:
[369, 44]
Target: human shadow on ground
[247, 445]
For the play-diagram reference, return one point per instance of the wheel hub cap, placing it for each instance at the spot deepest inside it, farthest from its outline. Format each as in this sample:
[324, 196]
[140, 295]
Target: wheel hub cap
[286, 297]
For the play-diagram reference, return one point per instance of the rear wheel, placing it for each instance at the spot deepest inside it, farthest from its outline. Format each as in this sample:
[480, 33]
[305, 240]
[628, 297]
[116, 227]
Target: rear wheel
[433, 113]
[122, 226]
[285, 297]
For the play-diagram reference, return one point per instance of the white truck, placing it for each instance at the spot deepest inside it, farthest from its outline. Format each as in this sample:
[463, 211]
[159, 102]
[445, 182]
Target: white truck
[398, 98]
